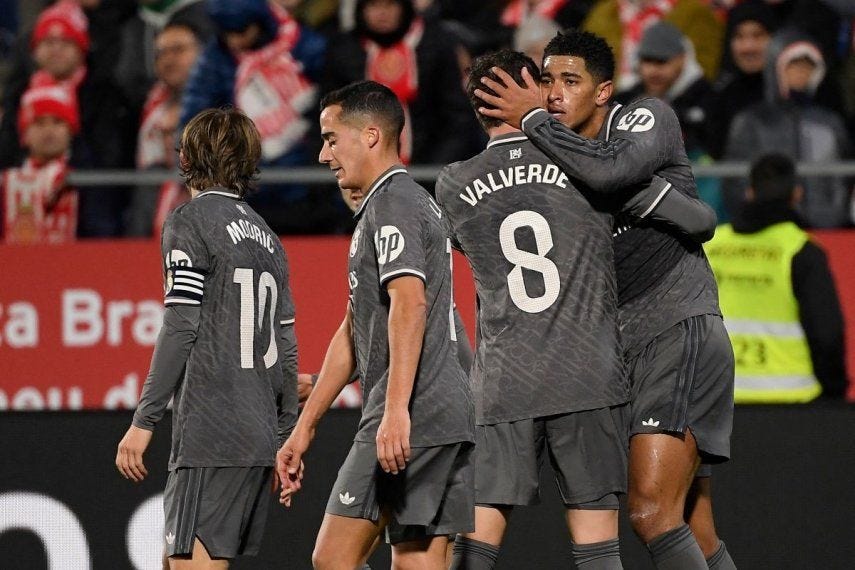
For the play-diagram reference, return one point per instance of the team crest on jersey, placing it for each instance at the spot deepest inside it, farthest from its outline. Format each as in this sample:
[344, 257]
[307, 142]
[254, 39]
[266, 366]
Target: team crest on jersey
[175, 258]
[637, 121]
[516, 153]
[389, 243]
[354, 241]
[352, 280]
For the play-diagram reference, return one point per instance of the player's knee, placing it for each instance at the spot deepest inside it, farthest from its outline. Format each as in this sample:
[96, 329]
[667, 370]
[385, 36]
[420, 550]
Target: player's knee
[325, 558]
[647, 516]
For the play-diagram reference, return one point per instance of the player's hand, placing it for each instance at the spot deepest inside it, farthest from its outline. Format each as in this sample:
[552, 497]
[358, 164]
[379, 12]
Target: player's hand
[393, 441]
[304, 387]
[511, 101]
[289, 463]
[129, 457]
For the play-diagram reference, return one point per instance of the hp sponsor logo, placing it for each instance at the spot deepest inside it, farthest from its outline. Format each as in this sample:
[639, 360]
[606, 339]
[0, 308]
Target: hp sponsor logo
[389, 244]
[638, 121]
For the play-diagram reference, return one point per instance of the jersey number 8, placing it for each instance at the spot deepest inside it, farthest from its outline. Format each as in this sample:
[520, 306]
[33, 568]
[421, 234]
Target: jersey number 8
[537, 262]
[266, 283]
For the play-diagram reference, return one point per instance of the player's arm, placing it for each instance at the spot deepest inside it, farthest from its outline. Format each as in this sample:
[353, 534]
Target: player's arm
[339, 364]
[661, 202]
[176, 338]
[407, 319]
[287, 400]
[608, 167]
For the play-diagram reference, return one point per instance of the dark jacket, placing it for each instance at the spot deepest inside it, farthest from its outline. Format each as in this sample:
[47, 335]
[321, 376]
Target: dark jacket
[798, 128]
[813, 287]
[442, 120]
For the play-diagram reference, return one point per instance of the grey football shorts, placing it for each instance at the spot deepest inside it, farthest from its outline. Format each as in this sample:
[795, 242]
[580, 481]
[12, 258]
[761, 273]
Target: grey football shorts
[225, 507]
[433, 496]
[683, 379]
[587, 451]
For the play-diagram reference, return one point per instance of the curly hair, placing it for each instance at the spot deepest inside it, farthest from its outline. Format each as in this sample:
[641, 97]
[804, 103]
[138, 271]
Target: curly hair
[598, 56]
[220, 147]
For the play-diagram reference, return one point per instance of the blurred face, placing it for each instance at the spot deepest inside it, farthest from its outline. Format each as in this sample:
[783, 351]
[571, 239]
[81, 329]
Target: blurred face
[175, 52]
[344, 151]
[58, 56]
[659, 76]
[797, 74]
[47, 137]
[748, 46]
[382, 16]
[571, 94]
[242, 41]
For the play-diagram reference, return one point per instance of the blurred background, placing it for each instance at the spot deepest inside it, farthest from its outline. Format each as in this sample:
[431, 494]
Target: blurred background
[95, 94]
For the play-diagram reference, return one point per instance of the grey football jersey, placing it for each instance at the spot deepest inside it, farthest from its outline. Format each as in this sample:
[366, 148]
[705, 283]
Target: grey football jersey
[219, 253]
[541, 256]
[401, 231]
[663, 278]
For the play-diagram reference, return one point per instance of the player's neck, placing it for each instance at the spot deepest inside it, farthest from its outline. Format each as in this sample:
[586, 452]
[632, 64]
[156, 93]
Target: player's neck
[375, 167]
[591, 128]
[503, 129]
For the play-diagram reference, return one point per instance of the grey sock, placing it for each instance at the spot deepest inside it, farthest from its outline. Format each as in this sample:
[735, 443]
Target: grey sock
[721, 560]
[598, 555]
[677, 549]
[473, 555]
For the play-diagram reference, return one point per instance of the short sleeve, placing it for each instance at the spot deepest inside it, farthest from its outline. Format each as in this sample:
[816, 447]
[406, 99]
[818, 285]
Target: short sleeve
[398, 237]
[185, 260]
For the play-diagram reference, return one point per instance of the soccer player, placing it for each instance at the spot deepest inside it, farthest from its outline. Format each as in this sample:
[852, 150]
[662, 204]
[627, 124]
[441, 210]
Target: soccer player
[679, 356]
[548, 376]
[408, 474]
[227, 352]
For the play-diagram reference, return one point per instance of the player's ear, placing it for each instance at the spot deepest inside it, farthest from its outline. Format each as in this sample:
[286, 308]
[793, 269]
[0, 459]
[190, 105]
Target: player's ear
[372, 136]
[604, 93]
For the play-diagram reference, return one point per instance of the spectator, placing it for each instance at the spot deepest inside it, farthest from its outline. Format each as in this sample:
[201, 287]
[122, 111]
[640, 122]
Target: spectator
[566, 13]
[622, 23]
[266, 64]
[777, 295]
[790, 121]
[60, 42]
[417, 60]
[38, 206]
[176, 48]
[135, 70]
[750, 26]
[532, 36]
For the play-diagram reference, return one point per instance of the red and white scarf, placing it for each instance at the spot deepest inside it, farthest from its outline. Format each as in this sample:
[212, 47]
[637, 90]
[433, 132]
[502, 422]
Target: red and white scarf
[271, 89]
[395, 66]
[156, 138]
[519, 10]
[38, 206]
[634, 20]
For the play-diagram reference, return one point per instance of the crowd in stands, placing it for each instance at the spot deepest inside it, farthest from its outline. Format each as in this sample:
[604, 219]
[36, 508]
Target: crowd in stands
[108, 84]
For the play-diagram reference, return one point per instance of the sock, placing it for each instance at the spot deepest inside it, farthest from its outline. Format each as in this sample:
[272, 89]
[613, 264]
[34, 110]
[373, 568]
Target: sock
[721, 560]
[677, 549]
[473, 555]
[598, 555]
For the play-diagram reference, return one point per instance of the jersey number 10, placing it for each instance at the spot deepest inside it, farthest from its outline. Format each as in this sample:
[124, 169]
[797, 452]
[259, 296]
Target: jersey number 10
[537, 262]
[244, 277]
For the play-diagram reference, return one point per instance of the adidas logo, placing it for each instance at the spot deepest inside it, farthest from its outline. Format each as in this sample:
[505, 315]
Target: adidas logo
[170, 538]
[650, 423]
[346, 499]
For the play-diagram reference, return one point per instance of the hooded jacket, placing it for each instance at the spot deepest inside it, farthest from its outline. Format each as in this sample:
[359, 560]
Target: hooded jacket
[212, 82]
[793, 124]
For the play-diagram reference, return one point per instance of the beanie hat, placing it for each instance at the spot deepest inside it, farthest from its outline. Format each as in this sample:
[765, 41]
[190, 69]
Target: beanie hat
[661, 41]
[65, 20]
[53, 100]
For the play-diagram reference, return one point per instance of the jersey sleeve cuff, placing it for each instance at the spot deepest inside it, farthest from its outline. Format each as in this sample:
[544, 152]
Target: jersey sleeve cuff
[386, 277]
[286, 322]
[657, 200]
[533, 118]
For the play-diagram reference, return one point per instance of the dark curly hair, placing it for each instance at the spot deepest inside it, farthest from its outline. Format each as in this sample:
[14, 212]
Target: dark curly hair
[598, 56]
[507, 60]
[220, 147]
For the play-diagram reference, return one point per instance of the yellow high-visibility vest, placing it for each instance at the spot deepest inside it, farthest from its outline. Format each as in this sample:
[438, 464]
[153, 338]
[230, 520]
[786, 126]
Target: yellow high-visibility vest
[753, 271]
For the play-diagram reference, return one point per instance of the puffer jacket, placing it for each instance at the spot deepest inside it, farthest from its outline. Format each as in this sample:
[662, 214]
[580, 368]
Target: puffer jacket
[797, 127]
